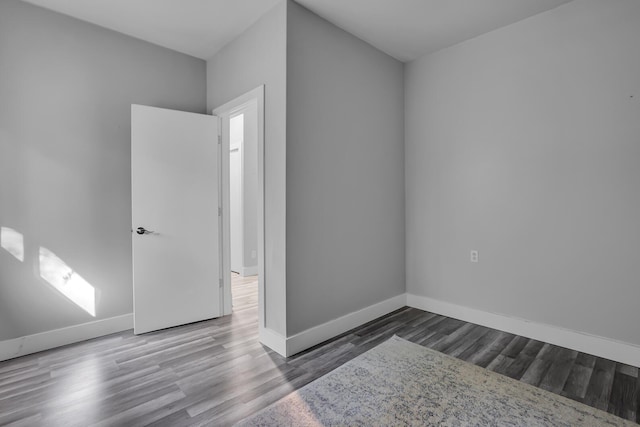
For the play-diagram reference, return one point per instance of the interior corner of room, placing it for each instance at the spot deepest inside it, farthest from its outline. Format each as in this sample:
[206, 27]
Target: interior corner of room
[380, 176]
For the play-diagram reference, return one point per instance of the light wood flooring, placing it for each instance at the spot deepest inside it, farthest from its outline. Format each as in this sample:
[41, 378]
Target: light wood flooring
[214, 373]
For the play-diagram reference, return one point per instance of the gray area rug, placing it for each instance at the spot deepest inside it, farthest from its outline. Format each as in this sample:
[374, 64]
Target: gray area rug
[399, 383]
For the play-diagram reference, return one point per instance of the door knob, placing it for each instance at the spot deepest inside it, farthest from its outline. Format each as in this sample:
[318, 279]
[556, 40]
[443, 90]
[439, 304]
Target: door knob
[141, 230]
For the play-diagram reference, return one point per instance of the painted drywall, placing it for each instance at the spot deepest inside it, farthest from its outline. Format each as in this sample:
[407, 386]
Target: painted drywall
[66, 89]
[524, 144]
[255, 58]
[345, 174]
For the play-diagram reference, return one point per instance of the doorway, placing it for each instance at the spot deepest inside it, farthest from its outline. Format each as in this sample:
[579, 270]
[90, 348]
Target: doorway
[241, 124]
[243, 197]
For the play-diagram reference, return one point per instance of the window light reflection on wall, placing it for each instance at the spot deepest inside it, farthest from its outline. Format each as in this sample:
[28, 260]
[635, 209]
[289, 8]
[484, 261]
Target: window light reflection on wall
[12, 242]
[64, 279]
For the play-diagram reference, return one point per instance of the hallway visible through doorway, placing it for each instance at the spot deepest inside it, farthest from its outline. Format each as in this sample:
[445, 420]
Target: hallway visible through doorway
[245, 293]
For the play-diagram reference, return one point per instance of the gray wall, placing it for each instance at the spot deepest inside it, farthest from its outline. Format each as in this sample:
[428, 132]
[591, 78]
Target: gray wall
[258, 57]
[65, 93]
[524, 144]
[345, 174]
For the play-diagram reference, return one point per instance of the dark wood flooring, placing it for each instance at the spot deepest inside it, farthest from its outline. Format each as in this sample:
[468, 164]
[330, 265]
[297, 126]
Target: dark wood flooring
[215, 372]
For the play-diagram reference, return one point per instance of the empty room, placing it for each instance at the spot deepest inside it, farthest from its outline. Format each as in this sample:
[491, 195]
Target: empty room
[319, 212]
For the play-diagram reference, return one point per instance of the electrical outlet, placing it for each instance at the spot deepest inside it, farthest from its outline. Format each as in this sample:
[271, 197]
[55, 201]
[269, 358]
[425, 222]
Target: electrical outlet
[253, 254]
[474, 256]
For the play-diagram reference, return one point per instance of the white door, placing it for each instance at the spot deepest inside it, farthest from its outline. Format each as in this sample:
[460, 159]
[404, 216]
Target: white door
[174, 192]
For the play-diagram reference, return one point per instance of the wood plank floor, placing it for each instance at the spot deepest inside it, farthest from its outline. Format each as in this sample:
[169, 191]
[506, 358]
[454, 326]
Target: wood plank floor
[215, 372]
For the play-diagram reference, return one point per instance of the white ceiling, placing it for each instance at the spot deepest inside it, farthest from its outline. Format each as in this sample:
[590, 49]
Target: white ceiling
[408, 29]
[405, 29]
[196, 27]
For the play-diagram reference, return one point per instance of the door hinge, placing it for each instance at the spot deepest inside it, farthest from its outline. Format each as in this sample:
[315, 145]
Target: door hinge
[219, 139]
[221, 283]
[219, 211]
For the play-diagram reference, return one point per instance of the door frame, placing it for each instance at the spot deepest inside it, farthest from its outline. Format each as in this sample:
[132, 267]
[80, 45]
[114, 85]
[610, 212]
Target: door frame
[223, 112]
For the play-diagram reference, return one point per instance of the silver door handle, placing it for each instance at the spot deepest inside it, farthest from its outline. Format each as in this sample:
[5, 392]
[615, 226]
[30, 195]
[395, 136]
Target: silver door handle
[141, 230]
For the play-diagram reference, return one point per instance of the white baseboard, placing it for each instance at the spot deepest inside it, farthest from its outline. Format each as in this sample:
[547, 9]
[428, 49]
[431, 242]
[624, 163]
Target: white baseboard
[273, 340]
[249, 271]
[22, 346]
[618, 351]
[332, 328]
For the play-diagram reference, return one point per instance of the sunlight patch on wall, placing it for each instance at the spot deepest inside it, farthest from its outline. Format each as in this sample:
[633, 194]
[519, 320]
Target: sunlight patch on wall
[62, 277]
[12, 242]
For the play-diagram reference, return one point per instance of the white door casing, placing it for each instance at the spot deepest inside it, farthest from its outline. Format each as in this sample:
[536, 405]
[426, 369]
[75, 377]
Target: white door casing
[174, 191]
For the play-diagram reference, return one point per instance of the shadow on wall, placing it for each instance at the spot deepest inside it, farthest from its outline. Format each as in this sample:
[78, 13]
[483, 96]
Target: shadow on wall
[54, 271]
